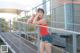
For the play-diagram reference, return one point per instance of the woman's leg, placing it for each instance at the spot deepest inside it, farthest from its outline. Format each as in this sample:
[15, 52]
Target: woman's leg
[42, 46]
[48, 47]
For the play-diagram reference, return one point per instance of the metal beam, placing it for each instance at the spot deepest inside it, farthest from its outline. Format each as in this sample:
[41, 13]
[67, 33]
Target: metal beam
[44, 6]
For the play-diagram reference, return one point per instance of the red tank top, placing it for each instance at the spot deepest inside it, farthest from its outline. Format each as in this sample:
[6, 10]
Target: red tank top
[43, 30]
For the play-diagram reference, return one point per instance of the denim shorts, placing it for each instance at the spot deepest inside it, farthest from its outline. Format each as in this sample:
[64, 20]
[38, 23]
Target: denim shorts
[47, 38]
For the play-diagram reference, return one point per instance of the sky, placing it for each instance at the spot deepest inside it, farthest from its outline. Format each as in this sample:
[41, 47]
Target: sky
[21, 4]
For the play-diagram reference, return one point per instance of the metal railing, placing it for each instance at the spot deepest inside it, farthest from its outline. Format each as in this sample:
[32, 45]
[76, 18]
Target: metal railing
[25, 25]
[56, 29]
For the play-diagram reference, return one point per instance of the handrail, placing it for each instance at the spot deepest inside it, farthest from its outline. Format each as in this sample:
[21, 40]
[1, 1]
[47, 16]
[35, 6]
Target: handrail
[64, 30]
[58, 28]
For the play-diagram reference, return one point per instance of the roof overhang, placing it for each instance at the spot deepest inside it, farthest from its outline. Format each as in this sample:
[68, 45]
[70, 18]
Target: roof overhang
[11, 7]
[7, 10]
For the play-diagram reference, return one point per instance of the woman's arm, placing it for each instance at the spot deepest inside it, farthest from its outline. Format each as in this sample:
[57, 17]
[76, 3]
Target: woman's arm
[35, 19]
[30, 20]
[42, 22]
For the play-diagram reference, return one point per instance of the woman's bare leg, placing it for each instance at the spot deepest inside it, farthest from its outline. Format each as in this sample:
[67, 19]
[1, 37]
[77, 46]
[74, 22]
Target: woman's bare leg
[48, 47]
[42, 46]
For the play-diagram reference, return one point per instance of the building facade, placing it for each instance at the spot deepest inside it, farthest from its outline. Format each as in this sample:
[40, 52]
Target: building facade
[65, 14]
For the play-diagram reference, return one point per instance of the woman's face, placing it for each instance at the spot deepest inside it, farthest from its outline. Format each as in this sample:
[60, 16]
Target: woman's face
[40, 13]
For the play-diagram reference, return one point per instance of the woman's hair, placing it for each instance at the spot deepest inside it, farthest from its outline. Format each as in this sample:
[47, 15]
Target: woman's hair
[40, 9]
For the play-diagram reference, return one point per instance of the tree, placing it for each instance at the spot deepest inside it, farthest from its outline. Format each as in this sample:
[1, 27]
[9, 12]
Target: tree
[4, 25]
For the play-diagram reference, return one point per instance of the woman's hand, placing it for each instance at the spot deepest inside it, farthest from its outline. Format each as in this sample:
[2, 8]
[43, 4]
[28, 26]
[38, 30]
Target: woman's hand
[37, 15]
[36, 18]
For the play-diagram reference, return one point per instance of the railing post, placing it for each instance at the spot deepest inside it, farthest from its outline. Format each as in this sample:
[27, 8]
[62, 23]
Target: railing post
[38, 44]
[38, 39]
[74, 45]
[10, 25]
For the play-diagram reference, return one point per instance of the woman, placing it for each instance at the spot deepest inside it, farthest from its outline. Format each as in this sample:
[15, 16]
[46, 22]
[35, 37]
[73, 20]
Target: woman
[45, 44]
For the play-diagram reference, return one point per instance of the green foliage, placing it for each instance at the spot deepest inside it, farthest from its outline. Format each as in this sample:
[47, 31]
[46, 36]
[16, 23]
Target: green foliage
[21, 26]
[31, 27]
[14, 26]
[4, 25]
